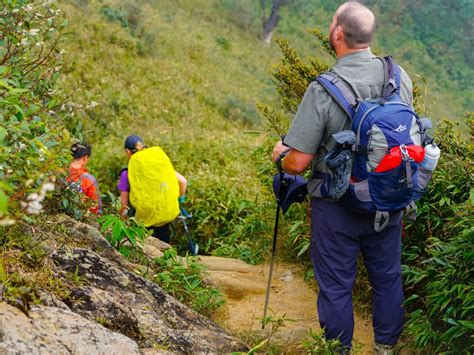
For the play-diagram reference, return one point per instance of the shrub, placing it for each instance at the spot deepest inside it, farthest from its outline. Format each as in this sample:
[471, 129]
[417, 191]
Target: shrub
[438, 251]
[33, 139]
[126, 236]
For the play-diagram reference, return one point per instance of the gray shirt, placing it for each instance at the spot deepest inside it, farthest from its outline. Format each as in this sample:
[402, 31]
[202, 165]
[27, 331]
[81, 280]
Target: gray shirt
[319, 116]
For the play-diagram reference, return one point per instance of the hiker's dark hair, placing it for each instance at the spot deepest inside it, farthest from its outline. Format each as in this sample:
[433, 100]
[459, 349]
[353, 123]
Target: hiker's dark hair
[357, 31]
[79, 150]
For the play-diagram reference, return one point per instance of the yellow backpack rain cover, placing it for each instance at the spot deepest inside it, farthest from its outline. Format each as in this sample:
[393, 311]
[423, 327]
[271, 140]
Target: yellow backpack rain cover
[154, 188]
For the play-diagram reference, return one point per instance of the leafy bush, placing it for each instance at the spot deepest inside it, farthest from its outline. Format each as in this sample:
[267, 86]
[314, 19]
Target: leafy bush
[183, 279]
[114, 14]
[33, 139]
[438, 251]
[126, 236]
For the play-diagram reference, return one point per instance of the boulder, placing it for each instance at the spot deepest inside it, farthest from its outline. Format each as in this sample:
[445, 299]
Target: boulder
[51, 330]
[75, 233]
[132, 305]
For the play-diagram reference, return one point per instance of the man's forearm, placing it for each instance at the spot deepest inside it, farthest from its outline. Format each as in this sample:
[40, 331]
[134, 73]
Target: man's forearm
[296, 162]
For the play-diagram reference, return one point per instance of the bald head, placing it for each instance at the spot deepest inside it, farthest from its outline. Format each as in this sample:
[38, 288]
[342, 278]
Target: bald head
[357, 22]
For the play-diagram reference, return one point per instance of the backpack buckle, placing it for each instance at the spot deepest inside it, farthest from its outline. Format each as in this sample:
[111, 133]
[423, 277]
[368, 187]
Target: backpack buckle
[404, 151]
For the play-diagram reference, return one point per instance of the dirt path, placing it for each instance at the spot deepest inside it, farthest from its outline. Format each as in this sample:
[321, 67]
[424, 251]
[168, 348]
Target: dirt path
[244, 286]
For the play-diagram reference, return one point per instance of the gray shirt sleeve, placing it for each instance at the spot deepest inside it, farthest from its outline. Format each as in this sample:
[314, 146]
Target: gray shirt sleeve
[307, 129]
[406, 87]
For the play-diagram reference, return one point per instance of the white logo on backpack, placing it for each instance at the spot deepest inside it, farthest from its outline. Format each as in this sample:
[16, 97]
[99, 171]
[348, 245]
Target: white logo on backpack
[400, 128]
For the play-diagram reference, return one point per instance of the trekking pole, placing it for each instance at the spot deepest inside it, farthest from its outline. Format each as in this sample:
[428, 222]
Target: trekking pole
[275, 234]
[184, 215]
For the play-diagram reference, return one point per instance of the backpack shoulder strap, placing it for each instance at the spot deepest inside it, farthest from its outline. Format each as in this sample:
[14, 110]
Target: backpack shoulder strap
[392, 76]
[340, 91]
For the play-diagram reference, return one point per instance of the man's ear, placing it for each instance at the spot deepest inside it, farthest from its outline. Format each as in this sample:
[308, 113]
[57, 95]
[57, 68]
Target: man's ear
[339, 32]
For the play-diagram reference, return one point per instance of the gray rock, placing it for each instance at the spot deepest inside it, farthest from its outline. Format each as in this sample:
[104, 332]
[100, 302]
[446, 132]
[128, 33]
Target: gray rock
[134, 306]
[84, 235]
[51, 330]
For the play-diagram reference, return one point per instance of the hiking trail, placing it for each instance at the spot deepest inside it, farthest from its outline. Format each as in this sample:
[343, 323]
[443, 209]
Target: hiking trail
[245, 285]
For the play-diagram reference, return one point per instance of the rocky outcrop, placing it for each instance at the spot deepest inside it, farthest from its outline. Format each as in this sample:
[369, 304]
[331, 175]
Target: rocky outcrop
[105, 298]
[75, 234]
[51, 330]
[132, 305]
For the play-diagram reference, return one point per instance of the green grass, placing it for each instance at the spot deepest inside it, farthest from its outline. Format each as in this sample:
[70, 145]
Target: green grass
[187, 75]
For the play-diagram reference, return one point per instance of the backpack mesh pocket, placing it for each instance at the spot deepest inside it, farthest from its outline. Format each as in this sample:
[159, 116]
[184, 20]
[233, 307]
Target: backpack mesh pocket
[390, 190]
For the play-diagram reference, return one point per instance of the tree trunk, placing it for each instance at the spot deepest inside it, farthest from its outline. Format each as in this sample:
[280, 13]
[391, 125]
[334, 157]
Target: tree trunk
[271, 22]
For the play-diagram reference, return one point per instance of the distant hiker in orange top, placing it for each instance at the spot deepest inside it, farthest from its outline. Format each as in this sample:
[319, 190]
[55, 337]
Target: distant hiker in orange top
[83, 181]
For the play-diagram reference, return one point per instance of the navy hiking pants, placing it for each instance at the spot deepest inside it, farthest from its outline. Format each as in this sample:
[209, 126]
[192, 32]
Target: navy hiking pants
[338, 235]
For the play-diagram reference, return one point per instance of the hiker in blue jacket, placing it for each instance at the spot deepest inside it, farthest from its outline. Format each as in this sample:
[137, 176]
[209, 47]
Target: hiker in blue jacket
[339, 234]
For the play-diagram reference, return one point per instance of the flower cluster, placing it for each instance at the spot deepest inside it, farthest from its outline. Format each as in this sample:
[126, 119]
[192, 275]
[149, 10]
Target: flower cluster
[34, 200]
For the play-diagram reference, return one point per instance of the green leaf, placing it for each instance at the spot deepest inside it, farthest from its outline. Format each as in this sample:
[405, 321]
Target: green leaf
[33, 109]
[303, 249]
[51, 104]
[4, 84]
[3, 134]
[117, 231]
[451, 321]
[3, 203]
[467, 323]
[108, 222]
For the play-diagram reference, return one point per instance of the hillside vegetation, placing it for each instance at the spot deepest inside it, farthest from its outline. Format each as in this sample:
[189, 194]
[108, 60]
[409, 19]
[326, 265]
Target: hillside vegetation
[188, 75]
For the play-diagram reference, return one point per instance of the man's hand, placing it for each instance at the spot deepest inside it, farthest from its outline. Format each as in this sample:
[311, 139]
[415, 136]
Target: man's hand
[295, 162]
[278, 150]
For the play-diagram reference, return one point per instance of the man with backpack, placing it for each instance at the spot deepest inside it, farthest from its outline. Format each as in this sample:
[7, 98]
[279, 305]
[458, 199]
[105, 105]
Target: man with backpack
[150, 187]
[340, 231]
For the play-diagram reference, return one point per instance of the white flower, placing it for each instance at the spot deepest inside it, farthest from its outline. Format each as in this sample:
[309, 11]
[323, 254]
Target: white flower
[33, 196]
[34, 204]
[47, 187]
[24, 41]
[33, 32]
[39, 44]
[34, 207]
[51, 112]
[14, 11]
[6, 222]
[93, 104]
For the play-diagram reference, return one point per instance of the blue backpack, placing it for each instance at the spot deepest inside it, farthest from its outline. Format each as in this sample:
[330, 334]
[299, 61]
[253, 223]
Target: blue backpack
[379, 125]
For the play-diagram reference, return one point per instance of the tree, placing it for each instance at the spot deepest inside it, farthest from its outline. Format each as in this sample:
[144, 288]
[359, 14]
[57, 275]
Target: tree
[271, 22]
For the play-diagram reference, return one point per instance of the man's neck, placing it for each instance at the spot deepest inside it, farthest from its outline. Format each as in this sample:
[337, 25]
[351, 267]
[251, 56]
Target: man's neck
[342, 52]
